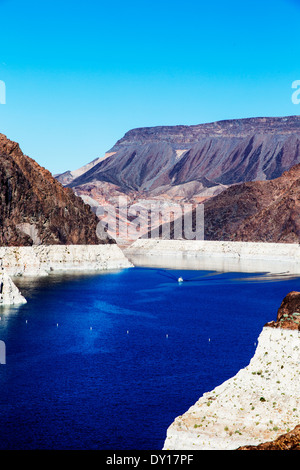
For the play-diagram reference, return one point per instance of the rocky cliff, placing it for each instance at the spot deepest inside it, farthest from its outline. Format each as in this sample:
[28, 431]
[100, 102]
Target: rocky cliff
[9, 293]
[255, 211]
[265, 211]
[36, 209]
[259, 407]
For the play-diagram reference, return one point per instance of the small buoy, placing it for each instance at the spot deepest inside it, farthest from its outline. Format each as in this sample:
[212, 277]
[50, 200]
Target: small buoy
[209, 340]
[167, 336]
[91, 328]
[25, 321]
[56, 324]
[127, 331]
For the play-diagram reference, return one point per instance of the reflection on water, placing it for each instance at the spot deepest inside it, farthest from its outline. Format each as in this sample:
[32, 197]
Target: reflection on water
[272, 277]
[215, 263]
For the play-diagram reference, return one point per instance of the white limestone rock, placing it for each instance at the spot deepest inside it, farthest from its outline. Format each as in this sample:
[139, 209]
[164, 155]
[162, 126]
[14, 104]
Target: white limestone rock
[257, 405]
[42, 259]
[9, 293]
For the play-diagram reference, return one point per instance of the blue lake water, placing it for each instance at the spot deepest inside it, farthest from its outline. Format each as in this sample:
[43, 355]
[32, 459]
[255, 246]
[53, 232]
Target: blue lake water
[108, 361]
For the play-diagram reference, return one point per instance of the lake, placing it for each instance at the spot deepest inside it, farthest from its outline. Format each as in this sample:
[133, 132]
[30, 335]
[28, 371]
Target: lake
[107, 361]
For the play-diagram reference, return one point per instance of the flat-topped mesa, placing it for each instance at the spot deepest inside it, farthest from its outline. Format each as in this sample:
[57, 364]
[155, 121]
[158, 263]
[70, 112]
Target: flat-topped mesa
[288, 315]
[191, 163]
[259, 405]
[184, 134]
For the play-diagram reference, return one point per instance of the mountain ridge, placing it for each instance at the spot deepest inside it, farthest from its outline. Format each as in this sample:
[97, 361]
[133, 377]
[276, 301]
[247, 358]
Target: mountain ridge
[255, 211]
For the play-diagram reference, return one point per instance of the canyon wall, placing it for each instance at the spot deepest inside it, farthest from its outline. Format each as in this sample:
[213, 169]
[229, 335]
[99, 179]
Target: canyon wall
[260, 404]
[42, 260]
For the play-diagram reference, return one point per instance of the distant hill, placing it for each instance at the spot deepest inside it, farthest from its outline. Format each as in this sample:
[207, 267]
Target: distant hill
[257, 211]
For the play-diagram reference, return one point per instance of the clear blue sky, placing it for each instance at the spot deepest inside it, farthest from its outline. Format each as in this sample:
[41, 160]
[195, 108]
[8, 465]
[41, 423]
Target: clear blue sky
[79, 74]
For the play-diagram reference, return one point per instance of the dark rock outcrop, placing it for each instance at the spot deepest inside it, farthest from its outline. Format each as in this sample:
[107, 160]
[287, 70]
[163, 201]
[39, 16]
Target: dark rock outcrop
[288, 441]
[256, 211]
[288, 315]
[36, 209]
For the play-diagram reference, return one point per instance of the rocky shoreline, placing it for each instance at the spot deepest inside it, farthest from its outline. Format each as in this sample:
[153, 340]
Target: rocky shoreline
[259, 406]
[41, 260]
[9, 293]
[219, 255]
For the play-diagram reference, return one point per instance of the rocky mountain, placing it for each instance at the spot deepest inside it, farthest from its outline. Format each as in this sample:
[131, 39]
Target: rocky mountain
[68, 176]
[193, 162]
[288, 317]
[36, 209]
[265, 211]
[257, 409]
[216, 163]
[255, 211]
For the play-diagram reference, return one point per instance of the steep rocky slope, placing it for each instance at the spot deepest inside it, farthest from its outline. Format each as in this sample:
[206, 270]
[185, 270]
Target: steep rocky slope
[36, 209]
[265, 211]
[255, 211]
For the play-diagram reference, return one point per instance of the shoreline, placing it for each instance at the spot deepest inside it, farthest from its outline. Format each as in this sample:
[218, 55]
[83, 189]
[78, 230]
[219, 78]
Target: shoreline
[37, 261]
[259, 404]
[42, 259]
[220, 256]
